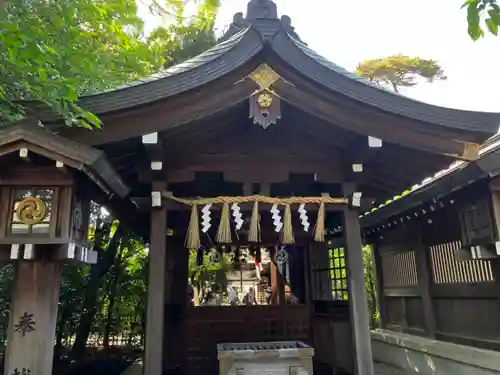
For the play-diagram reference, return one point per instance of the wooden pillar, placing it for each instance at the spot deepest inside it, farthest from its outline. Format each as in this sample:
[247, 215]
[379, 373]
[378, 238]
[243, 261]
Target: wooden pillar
[495, 263]
[33, 318]
[175, 304]
[153, 357]
[307, 276]
[424, 280]
[182, 280]
[280, 280]
[277, 285]
[358, 304]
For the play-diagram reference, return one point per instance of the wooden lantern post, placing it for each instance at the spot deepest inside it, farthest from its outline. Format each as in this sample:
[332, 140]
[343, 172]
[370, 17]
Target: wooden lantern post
[43, 226]
[44, 220]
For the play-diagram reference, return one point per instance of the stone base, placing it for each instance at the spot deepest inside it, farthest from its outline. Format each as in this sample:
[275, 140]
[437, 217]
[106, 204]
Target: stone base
[418, 355]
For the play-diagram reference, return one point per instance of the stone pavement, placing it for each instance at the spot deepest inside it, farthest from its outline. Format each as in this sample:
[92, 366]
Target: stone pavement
[383, 369]
[380, 369]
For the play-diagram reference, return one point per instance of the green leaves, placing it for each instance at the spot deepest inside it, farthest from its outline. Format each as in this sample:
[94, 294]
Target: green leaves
[54, 52]
[479, 10]
[473, 20]
[492, 26]
[186, 37]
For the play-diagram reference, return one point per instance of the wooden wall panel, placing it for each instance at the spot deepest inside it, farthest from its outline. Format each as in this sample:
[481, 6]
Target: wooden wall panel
[209, 326]
[463, 297]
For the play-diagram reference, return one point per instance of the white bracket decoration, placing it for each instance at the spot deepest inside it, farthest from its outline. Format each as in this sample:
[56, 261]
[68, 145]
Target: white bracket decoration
[374, 142]
[278, 224]
[238, 217]
[303, 217]
[156, 199]
[356, 199]
[205, 218]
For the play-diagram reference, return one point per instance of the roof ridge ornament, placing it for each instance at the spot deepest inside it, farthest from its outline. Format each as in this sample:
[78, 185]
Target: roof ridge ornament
[262, 16]
[261, 9]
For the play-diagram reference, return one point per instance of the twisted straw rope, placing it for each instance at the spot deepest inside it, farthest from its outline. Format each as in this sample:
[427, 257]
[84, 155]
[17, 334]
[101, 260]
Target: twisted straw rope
[257, 198]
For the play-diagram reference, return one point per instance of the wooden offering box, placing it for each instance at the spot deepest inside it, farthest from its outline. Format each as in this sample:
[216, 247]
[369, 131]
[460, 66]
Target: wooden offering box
[270, 358]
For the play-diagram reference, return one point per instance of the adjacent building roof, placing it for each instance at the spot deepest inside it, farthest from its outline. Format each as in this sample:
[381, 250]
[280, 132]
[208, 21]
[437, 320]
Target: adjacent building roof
[262, 32]
[445, 182]
[78, 156]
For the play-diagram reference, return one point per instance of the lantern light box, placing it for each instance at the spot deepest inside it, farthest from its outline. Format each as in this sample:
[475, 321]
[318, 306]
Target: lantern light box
[44, 211]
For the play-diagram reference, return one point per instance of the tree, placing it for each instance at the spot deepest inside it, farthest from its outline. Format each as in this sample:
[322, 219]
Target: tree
[107, 241]
[209, 273]
[482, 11]
[400, 71]
[52, 52]
[93, 297]
[185, 37]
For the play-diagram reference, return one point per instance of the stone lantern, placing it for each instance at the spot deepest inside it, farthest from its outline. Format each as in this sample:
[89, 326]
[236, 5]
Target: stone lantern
[46, 183]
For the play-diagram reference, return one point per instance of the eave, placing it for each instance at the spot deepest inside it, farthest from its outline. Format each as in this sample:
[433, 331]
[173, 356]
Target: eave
[201, 70]
[240, 48]
[80, 157]
[338, 80]
[443, 184]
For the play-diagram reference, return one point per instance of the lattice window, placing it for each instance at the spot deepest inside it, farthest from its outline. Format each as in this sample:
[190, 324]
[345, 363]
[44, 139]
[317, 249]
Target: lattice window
[399, 269]
[329, 275]
[446, 269]
[338, 273]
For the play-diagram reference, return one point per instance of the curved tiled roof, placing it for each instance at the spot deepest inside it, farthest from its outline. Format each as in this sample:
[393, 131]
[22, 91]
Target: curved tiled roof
[221, 59]
[245, 39]
[358, 88]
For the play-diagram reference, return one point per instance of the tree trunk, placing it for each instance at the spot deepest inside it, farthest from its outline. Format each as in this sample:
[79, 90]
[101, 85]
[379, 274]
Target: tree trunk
[373, 297]
[61, 334]
[97, 271]
[196, 294]
[113, 289]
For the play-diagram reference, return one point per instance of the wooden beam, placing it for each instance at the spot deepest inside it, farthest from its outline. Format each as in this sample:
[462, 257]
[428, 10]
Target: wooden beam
[206, 128]
[144, 204]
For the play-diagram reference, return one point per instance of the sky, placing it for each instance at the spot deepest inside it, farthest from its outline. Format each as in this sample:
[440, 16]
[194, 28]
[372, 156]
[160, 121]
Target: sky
[347, 32]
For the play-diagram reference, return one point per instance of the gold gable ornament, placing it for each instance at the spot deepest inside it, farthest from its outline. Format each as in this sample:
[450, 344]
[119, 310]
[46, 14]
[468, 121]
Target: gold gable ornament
[264, 76]
[265, 104]
[265, 109]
